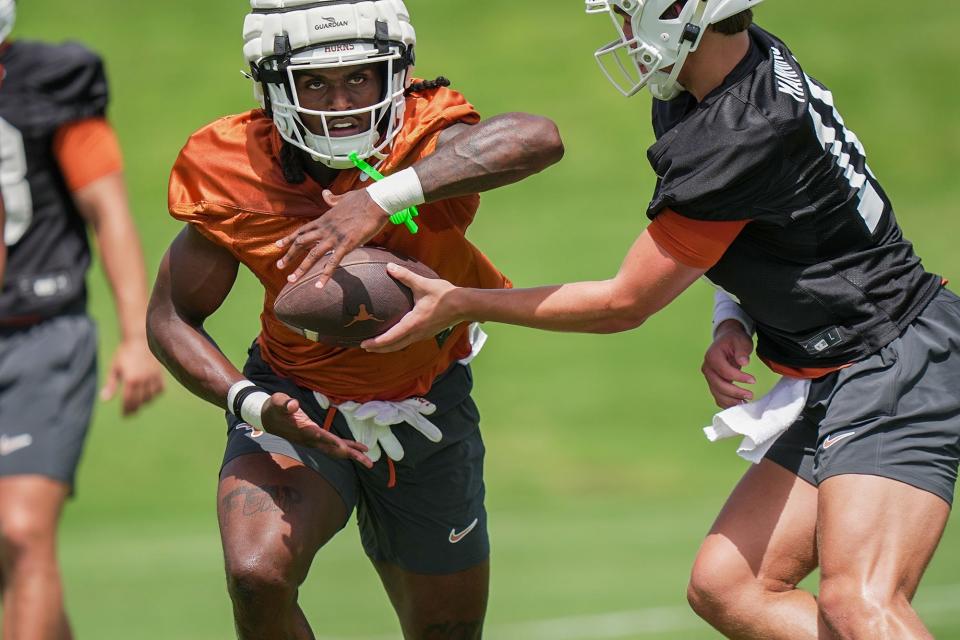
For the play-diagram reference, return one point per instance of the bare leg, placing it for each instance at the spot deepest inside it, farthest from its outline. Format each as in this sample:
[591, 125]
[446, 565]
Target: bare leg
[868, 580]
[30, 508]
[444, 607]
[763, 543]
[274, 515]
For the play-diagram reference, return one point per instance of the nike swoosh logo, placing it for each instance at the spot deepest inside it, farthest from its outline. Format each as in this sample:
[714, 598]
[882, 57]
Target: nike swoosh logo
[457, 537]
[832, 440]
[251, 432]
[9, 445]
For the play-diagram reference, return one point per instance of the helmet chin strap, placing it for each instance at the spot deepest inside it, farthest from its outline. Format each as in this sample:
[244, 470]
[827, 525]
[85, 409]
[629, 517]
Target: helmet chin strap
[693, 33]
[669, 88]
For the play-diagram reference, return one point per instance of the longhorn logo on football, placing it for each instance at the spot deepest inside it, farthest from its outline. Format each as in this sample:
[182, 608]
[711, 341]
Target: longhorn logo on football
[362, 316]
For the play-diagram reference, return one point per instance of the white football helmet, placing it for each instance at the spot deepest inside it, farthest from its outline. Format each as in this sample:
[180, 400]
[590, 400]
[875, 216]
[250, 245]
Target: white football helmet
[664, 33]
[283, 37]
[8, 15]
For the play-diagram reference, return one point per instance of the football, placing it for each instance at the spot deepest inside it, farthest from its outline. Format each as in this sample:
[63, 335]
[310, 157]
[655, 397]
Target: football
[359, 301]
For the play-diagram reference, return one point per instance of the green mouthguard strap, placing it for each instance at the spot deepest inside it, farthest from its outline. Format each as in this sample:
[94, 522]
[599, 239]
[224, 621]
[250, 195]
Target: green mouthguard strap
[404, 217]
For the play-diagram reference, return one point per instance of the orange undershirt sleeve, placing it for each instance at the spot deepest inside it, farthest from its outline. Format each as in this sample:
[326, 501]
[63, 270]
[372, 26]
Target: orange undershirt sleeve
[695, 243]
[86, 151]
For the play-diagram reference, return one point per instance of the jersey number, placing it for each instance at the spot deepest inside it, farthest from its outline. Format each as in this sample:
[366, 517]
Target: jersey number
[14, 187]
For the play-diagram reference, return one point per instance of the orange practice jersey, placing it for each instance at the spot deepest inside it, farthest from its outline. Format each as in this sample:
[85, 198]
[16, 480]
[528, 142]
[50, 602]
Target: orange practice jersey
[228, 183]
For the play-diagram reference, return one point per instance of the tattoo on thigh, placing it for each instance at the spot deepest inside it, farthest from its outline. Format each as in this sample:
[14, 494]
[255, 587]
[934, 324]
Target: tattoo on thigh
[454, 630]
[261, 499]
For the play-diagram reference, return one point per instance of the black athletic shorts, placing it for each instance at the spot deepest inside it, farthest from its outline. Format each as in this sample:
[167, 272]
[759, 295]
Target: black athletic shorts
[895, 414]
[433, 520]
[48, 384]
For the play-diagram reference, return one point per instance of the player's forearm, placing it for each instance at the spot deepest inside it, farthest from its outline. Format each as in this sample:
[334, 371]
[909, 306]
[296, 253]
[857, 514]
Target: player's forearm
[581, 307]
[497, 152]
[123, 265]
[104, 205]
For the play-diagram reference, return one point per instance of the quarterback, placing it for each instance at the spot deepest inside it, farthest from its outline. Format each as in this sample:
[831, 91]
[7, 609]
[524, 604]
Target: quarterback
[764, 189]
[60, 173]
[314, 432]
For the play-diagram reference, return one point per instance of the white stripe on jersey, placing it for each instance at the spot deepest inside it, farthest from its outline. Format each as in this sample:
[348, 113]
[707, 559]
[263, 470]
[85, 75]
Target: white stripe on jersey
[871, 204]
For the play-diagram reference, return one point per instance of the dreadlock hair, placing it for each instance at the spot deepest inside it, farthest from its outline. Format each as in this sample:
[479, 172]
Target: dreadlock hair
[427, 85]
[735, 23]
[291, 163]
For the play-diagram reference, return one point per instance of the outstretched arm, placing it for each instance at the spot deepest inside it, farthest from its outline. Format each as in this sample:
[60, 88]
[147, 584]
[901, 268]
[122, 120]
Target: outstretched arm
[469, 159]
[194, 279]
[647, 281]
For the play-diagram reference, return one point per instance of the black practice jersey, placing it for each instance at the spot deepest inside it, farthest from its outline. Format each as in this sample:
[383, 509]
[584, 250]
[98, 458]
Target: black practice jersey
[45, 87]
[822, 267]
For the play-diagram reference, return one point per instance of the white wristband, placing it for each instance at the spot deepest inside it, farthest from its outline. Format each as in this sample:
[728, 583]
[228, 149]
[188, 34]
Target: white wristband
[724, 308]
[251, 409]
[234, 390]
[397, 192]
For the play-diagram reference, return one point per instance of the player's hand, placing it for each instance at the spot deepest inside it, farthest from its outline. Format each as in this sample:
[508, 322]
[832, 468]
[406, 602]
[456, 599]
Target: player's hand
[351, 221]
[282, 416]
[135, 370]
[432, 313]
[723, 365]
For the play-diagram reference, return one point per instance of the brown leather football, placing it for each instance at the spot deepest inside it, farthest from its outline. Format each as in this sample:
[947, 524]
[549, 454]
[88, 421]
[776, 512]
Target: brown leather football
[359, 301]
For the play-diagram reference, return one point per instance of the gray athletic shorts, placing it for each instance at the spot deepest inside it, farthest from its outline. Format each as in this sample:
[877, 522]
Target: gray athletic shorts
[48, 383]
[433, 520]
[895, 414]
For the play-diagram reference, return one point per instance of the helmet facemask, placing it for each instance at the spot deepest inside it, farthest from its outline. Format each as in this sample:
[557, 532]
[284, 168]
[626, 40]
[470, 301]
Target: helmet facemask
[663, 34]
[330, 35]
[385, 116]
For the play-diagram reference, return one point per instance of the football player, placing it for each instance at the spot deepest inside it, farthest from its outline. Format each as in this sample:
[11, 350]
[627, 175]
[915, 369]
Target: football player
[61, 174]
[313, 431]
[763, 188]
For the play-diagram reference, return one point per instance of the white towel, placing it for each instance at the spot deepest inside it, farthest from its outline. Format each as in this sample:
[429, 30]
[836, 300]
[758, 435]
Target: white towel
[478, 338]
[761, 422]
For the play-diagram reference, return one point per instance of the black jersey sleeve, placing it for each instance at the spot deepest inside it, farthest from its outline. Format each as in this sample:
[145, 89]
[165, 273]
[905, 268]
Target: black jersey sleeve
[726, 163]
[72, 80]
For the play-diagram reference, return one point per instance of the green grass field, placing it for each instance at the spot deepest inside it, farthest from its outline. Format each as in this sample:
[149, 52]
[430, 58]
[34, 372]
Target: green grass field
[600, 482]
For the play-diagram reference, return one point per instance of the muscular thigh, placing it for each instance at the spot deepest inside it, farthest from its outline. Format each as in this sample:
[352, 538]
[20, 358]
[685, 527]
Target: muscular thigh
[275, 511]
[878, 532]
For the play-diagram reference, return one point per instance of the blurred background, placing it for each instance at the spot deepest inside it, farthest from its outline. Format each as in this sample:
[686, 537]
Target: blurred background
[600, 482]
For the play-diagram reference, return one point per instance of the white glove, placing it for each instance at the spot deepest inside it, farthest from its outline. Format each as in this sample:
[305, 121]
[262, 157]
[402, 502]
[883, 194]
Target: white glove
[371, 422]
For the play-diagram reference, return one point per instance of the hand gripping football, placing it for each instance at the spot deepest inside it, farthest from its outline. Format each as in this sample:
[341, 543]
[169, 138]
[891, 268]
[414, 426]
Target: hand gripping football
[359, 301]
